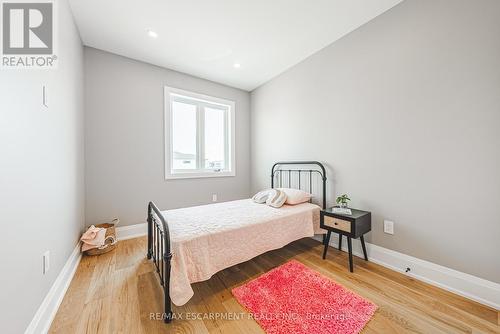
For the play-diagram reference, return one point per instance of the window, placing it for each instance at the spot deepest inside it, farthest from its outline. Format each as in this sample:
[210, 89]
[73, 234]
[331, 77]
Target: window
[199, 138]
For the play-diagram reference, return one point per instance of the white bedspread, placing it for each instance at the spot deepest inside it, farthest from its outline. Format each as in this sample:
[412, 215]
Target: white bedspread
[206, 239]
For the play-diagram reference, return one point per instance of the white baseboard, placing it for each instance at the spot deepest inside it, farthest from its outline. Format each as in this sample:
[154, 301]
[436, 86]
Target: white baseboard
[466, 285]
[47, 311]
[131, 231]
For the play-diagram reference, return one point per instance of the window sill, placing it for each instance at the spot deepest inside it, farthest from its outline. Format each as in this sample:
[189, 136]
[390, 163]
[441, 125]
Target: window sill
[188, 175]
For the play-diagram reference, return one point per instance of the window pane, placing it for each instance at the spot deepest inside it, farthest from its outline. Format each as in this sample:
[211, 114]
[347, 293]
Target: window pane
[215, 138]
[183, 135]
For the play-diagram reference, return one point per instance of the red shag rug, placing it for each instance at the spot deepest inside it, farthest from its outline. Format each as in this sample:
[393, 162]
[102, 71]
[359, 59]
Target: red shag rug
[295, 299]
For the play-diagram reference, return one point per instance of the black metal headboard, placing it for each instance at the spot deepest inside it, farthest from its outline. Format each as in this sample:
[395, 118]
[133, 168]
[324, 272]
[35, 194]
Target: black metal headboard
[285, 177]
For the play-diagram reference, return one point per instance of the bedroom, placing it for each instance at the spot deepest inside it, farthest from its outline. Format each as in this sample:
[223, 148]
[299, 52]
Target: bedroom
[172, 115]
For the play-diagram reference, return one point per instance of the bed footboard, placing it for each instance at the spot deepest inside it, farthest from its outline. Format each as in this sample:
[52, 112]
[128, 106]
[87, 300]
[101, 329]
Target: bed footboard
[159, 251]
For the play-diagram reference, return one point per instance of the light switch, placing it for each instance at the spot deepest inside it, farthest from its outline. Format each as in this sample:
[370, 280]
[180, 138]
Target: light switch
[46, 262]
[45, 102]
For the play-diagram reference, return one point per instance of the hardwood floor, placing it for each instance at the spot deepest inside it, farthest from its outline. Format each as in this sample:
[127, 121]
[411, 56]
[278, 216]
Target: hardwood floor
[119, 292]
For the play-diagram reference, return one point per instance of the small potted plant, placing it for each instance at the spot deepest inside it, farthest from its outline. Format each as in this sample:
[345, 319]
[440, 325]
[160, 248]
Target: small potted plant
[343, 200]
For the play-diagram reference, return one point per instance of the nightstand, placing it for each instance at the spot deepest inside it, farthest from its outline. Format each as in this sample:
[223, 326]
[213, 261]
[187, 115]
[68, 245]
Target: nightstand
[352, 226]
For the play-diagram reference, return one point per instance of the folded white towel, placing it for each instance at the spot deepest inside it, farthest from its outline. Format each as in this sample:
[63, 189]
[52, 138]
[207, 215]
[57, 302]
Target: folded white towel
[261, 196]
[276, 198]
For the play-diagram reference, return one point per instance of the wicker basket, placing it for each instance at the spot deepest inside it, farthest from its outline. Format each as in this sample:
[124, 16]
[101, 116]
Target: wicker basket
[109, 246]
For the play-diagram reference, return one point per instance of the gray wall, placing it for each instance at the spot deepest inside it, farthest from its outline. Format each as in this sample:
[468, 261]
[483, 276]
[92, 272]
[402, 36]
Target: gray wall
[406, 112]
[41, 175]
[124, 140]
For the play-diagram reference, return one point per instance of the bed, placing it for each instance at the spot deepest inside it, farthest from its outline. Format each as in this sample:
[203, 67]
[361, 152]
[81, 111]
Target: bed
[190, 245]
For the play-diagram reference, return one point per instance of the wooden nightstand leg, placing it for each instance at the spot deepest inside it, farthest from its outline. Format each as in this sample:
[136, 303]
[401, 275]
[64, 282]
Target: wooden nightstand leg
[340, 241]
[349, 245]
[364, 247]
[327, 241]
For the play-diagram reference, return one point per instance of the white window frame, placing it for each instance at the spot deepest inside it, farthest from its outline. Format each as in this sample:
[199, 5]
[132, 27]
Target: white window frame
[200, 172]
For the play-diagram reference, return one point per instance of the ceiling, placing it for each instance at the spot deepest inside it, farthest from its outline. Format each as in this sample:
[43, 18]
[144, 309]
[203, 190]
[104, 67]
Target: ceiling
[206, 38]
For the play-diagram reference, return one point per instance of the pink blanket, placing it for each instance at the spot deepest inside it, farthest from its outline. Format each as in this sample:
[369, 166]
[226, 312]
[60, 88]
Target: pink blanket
[206, 239]
[93, 238]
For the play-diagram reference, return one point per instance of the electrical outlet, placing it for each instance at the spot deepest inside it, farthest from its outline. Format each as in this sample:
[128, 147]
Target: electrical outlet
[46, 262]
[388, 227]
[214, 197]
